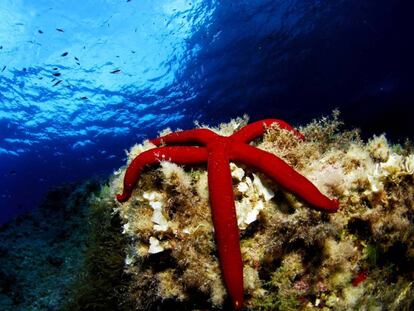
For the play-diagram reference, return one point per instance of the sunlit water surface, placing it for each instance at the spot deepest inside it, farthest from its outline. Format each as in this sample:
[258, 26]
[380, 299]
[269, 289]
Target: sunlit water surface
[81, 81]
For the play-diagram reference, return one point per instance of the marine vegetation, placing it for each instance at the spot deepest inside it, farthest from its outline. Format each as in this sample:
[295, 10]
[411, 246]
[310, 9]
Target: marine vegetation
[217, 152]
[293, 257]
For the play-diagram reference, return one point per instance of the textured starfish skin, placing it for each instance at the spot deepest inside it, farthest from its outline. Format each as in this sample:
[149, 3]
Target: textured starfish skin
[218, 151]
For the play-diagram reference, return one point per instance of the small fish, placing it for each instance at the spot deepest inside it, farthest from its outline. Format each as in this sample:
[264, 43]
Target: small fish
[84, 97]
[60, 30]
[1, 47]
[116, 71]
[56, 68]
[64, 54]
[76, 58]
[133, 52]
[39, 31]
[78, 63]
[57, 83]
[57, 74]
[34, 42]
[4, 67]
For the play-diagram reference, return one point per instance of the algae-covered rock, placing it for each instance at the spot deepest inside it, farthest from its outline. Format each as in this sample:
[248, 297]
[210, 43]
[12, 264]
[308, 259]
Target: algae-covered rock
[360, 257]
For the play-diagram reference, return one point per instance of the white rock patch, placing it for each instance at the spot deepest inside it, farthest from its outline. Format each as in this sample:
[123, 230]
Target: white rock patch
[255, 195]
[156, 202]
[155, 246]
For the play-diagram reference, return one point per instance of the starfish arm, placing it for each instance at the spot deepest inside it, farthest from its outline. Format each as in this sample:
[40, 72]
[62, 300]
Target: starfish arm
[225, 224]
[256, 129]
[284, 175]
[179, 155]
[197, 136]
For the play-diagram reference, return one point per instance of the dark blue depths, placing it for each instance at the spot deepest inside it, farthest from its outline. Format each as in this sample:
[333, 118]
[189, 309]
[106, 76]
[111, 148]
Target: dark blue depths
[79, 85]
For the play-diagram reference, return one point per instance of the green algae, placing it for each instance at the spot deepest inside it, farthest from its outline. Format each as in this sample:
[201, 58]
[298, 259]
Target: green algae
[102, 284]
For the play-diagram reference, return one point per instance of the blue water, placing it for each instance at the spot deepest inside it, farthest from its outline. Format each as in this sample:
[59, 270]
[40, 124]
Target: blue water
[81, 81]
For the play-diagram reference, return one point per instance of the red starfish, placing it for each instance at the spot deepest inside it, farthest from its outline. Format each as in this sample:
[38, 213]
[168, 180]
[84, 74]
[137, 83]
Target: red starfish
[217, 151]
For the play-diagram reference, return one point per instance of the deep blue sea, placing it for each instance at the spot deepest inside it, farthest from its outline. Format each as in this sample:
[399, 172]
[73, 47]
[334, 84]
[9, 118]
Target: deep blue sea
[83, 80]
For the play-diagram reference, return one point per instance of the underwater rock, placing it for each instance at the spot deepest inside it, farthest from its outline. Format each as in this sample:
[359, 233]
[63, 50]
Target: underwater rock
[294, 258]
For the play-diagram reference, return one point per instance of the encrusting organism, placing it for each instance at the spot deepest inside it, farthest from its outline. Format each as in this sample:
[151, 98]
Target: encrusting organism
[218, 151]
